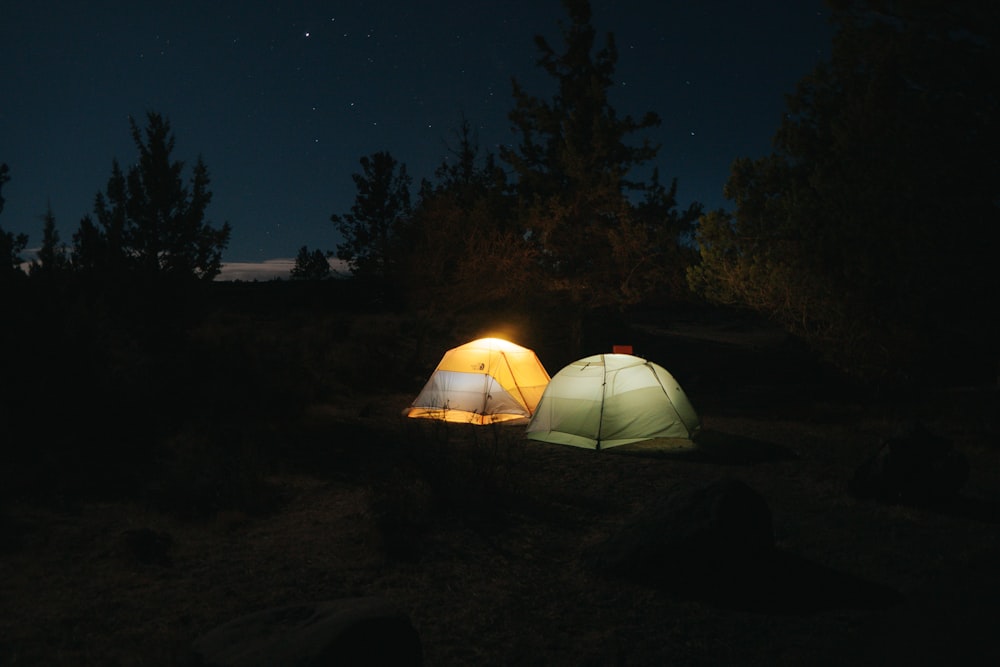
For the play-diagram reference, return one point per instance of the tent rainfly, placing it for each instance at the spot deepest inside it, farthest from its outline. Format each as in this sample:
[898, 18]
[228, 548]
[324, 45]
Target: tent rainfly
[612, 399]
[485, 381]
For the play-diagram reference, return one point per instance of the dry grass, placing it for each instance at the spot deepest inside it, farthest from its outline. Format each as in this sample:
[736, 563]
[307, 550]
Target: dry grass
[478, 535]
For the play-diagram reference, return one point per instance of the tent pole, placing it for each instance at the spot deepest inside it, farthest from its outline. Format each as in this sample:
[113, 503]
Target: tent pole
[604, 395]
[517, 385]
[666, 394]
[487, 379]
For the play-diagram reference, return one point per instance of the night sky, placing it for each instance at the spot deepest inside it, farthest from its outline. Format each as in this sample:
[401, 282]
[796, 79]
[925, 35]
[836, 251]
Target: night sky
[281, 100]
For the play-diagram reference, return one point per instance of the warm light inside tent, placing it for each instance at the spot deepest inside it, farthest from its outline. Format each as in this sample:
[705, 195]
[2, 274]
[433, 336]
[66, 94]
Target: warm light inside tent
[501, 329]
[499, 344]
[485, 381]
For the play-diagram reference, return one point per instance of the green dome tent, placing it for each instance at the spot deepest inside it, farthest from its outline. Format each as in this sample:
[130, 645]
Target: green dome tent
[609, 400]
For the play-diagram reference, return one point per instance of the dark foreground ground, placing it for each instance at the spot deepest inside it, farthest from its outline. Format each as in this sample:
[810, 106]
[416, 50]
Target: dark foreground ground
[479, 535]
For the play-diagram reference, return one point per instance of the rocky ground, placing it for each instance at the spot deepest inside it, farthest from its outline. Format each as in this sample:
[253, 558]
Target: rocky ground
[482, 537]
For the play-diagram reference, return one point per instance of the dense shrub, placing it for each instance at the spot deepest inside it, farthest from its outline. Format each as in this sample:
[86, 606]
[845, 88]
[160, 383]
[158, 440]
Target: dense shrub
[199, 474]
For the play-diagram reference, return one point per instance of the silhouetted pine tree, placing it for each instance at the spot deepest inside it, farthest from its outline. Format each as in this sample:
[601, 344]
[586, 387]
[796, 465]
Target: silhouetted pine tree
[576, 179]
[148, 222]
[373, 230]
[313, 265]
[11, 245]
[52, 259]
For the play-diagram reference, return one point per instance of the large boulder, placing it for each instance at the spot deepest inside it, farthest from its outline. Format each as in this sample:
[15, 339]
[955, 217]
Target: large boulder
[912, 467]
[350, 631]
[716, 543]
[719, 532]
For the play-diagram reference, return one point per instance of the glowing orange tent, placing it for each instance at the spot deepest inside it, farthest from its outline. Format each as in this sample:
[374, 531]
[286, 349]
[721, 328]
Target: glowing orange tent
[485, 381]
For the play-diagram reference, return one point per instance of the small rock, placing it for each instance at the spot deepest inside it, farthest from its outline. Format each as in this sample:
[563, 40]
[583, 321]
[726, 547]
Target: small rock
[914, 467]
[351, 631]
[717, 530]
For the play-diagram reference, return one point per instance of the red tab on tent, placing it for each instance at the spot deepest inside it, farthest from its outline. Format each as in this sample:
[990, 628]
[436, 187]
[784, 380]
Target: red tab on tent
[621, 349]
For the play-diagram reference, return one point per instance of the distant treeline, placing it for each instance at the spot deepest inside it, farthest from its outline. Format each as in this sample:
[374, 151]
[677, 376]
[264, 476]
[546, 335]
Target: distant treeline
[870, 231]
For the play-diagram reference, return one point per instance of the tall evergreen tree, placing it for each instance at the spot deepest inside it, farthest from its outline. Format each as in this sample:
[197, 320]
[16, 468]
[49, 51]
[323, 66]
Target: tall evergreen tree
[872, 229]
[101, 247]
[577, 178]
[4, 177]
[311, 265]
[52, 258]
[464, 244]
[374, 228]
[148, 221]
[11, 245]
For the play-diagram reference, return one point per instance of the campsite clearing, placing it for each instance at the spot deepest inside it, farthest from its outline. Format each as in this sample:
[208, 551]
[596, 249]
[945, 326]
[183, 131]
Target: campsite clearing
[479, 534]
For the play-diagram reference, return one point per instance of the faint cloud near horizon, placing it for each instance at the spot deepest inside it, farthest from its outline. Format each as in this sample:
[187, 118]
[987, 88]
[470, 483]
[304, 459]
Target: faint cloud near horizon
[279, 268]
[270, 269]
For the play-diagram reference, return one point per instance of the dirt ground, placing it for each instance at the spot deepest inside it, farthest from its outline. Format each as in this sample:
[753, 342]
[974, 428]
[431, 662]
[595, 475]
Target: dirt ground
[479, 536]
